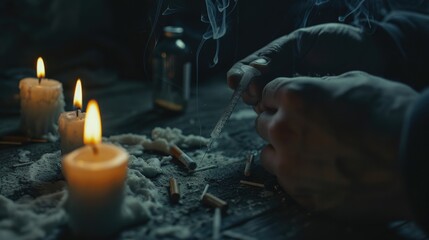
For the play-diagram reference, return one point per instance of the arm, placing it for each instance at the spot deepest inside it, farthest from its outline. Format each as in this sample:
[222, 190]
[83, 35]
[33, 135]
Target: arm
[415, 158]
[403, 39]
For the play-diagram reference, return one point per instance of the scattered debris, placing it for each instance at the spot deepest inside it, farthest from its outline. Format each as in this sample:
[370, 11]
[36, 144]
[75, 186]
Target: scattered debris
[244, 182]
[174, 191]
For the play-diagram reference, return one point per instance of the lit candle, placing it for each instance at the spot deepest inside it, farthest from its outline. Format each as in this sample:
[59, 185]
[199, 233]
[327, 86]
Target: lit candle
[95, 174]
[70, 124]
[42, 101]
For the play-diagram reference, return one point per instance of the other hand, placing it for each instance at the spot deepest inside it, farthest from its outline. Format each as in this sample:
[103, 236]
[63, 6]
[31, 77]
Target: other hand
[333, 142]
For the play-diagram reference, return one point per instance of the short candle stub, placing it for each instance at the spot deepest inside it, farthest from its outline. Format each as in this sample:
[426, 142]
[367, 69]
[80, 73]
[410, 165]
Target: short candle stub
[174, 191]
[94, 149]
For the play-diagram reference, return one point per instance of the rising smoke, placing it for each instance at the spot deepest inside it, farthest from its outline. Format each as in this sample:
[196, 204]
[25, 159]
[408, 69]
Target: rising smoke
[355, 12]
[216, 15]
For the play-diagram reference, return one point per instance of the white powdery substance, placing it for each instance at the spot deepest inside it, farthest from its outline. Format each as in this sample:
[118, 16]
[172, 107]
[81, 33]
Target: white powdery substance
[23, 156]
[135, 143]
[175, 135]
[159, 145]
[141, 201]
[160, 142]
[31, 219]
[129, 139]
[166, 159]
[244, 114]
[149, 168]
[176, 232]
[46, 168]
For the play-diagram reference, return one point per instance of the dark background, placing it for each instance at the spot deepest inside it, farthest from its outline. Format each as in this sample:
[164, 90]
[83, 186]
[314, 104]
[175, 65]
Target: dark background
[109, 43]
[82, 37]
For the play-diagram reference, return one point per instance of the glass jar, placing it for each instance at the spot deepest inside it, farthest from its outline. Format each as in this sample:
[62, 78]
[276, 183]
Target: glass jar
[171, 71]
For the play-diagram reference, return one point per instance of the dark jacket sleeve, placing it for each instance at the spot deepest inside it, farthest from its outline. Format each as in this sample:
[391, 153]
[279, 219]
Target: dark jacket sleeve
[403, 38]
[415, 158]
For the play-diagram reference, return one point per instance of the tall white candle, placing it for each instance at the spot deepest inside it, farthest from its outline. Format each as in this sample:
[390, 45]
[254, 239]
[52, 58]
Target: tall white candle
[95, 175]
[42, 101]
[71, 124]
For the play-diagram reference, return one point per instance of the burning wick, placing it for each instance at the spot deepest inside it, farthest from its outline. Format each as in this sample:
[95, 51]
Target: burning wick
[92, 131]
[40, 69]
[77, 99]
[94, 149]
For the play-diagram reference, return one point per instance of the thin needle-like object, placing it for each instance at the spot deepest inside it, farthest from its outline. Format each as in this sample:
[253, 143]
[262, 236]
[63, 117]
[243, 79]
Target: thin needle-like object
[249, 73]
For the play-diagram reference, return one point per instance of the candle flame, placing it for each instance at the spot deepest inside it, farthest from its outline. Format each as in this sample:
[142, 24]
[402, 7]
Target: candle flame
[92, 128]
[77, 99]
[40, 68]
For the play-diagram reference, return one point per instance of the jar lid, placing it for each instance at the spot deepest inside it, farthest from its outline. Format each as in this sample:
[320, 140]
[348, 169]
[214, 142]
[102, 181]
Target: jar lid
[173, 31]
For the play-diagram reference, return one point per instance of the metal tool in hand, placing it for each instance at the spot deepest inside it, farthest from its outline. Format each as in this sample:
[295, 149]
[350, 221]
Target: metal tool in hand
[249, 73]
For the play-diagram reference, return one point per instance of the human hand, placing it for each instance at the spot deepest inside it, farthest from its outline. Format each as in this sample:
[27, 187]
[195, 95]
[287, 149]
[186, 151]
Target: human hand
[333, 142]
[327, 49]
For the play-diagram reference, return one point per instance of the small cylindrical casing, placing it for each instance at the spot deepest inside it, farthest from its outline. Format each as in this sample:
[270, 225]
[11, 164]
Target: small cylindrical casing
[249, 162]
[252, 183]
[182, 157]
[174, 191]
[213, 201]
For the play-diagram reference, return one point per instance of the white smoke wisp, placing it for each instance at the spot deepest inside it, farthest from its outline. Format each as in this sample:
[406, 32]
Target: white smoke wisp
[216, 18]
[354, 12]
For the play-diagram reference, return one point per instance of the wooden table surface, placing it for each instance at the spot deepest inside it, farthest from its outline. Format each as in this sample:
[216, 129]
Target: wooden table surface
[254, 213]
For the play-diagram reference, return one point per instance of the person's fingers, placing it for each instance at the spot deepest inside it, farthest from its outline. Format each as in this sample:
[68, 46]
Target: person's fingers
[252, 95]
[234, 75]
[257, 108]
[263, 125]
[270, 95]
[272, 61]
[268, 159]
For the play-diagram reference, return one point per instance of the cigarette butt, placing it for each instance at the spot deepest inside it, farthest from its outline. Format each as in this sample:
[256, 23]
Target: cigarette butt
[236, 235]
[10, 143]
[204, 192]
[205, 168]
[244, 182]
[15, 138]
[21, 164]
[23, 139]
[174, 191]
[249, 162]
[217, 222]
[37, 140]
[176, 152]
[213, 201]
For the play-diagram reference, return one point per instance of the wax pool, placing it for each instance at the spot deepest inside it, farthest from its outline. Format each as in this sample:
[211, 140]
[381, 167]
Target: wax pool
[70, 126]
[41, 104]
[96, 188]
